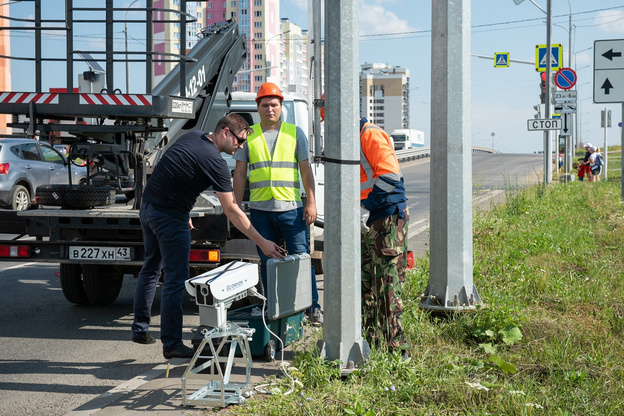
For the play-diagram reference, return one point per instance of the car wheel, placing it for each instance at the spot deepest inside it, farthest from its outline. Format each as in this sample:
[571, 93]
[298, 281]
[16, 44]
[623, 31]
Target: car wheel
[71, 284]
[81, 197]
[20, 200]
[102, 283]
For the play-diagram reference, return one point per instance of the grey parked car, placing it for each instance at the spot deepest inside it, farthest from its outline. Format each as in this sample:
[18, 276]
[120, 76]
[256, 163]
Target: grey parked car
[26, 164]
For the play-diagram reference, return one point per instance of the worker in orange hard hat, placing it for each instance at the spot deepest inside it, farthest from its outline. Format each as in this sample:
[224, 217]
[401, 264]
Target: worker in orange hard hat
[269, 89]
[277, 153]
[385, 220]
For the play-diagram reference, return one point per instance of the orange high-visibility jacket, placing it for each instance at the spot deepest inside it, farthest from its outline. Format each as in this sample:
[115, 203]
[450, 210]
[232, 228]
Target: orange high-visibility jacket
[377, 159]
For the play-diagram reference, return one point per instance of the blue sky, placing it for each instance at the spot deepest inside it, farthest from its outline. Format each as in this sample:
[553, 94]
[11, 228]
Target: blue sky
[502, 98]
[398, 32]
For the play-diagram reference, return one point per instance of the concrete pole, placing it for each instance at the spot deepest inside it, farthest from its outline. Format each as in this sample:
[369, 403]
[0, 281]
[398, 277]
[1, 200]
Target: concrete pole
[342, 335]
[451, 285]
[314, 42]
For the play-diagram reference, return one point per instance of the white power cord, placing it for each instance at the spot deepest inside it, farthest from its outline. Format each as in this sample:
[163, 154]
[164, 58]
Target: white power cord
[260, 388]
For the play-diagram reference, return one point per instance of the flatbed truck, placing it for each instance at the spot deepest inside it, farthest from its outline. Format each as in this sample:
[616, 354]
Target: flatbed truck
[95, 242]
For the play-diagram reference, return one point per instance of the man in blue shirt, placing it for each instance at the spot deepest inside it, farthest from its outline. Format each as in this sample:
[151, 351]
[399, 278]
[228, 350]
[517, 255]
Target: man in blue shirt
[190, 165]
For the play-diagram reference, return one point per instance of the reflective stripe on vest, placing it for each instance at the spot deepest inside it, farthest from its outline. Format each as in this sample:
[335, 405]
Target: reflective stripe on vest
[366, 186]
[274, 177]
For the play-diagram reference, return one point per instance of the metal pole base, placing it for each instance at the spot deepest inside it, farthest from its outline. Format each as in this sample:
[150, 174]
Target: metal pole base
[351, 357]
[464, 300]
[219, 392]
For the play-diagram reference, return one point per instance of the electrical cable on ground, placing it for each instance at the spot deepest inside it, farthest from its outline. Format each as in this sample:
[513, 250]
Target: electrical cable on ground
[261, 387]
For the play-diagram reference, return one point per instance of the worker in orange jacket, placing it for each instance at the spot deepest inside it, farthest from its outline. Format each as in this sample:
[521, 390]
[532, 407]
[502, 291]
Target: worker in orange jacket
[385, 220]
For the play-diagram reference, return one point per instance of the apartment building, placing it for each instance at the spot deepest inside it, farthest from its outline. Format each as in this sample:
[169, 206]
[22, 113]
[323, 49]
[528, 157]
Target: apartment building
[384, 95]
[167, 36]
[294, 77]
[277, 48]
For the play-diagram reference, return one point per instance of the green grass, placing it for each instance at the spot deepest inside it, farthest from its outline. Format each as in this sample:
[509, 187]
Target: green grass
[549, 266]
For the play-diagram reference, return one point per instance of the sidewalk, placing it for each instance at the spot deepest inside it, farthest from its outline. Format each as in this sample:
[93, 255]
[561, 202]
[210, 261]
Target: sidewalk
[160, 389]
[155, 392]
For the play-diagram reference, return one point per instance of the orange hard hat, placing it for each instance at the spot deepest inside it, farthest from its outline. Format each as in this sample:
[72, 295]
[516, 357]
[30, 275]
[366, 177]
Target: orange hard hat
[323, 108]
[268, 89]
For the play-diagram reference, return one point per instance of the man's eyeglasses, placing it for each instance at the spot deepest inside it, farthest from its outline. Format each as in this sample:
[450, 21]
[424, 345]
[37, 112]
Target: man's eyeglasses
[238, 139]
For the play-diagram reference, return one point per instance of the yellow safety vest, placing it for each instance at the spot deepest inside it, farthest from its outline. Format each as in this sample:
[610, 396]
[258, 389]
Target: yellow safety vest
[276, 177]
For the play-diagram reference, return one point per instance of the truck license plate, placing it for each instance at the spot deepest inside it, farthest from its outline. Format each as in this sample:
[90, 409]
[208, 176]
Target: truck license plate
[99, 253]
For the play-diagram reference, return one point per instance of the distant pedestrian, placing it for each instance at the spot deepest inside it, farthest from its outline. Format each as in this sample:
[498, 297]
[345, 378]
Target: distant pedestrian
[595, 164]
[584, 163]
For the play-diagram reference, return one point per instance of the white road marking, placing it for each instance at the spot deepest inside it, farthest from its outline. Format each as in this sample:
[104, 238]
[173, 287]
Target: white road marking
[417, 228]
[490, 194]
[104, 399]
[23, 265]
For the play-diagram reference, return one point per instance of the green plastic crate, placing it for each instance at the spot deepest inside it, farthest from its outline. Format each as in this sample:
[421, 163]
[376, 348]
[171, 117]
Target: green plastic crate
[288, 328]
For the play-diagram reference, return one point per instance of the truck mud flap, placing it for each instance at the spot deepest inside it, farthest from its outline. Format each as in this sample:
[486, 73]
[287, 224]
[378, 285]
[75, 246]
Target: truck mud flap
[67, 196]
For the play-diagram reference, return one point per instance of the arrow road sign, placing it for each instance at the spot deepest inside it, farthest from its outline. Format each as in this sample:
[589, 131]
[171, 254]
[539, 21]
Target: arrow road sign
[609, 86]
[609, 71]
[566, 130]
[608, 54]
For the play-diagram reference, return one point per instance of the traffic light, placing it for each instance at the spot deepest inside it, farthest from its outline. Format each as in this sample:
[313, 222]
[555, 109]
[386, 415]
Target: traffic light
[543, 88]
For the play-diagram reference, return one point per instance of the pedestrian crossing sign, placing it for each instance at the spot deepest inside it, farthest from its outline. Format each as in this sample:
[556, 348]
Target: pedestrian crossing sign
[501, 59]
[556, 57]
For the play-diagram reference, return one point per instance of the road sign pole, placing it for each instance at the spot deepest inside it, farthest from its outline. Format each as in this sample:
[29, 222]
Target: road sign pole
[547, 143]
[604, 155]
[571, 145]
[622, 142]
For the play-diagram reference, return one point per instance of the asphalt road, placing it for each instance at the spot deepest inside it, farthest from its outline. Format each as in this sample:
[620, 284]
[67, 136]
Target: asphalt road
[56, 356]
[491, 174]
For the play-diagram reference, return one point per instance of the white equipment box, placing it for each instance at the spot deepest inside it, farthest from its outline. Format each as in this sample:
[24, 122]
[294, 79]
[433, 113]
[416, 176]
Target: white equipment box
[290, 285]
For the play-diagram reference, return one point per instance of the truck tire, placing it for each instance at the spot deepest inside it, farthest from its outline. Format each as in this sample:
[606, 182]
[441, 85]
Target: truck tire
[81, 197]
[71, 284]
[102, 283]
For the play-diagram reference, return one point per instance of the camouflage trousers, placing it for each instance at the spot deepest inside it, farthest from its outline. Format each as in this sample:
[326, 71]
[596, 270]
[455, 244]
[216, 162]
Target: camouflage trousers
[384, 261]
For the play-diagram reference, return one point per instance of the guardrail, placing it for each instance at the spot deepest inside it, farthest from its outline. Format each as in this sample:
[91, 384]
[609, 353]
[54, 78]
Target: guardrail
[406, 155]
[482, 149]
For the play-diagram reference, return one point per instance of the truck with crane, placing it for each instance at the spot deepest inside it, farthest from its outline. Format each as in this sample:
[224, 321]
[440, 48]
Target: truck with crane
[95, 237]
